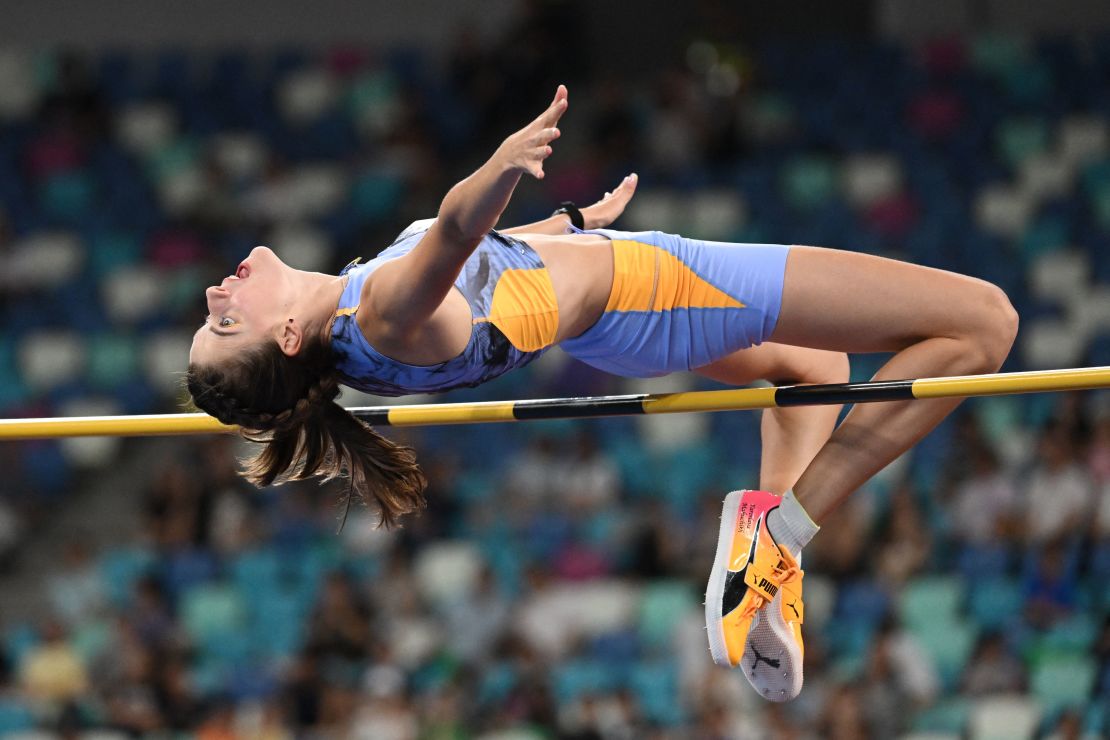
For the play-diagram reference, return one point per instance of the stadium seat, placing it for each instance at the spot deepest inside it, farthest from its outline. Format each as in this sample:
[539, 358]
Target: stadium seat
[1003, 718]
[949, 644]
[211, 612]
[663, 605]
[1060, 276]
[51, 358]
[447, 571]
[1003, 210]
[655, 686]
[995, 602]
[147, 127]
[16, 717]
[1083, 139]
[946, 717]
[576, 677]
[931, 600]
[19, 90]
[1063, 680]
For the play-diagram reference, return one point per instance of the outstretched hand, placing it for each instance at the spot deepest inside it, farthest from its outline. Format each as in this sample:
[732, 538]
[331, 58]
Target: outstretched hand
[608, 209]
[526, 150]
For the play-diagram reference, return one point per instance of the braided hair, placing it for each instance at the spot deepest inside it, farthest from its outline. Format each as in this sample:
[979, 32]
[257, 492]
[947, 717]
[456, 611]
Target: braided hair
[288, 404]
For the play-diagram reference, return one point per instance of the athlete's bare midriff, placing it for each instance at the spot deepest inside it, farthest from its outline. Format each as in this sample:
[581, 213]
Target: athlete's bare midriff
[581, 270]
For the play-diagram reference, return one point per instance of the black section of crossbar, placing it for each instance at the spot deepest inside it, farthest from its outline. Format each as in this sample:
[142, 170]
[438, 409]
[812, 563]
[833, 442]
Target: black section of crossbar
[378, 417]
[837, 393]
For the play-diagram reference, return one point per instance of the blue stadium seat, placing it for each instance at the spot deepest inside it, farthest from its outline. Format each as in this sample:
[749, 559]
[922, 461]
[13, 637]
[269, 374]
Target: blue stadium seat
[655, 686]
[994, 602]
[577, 676]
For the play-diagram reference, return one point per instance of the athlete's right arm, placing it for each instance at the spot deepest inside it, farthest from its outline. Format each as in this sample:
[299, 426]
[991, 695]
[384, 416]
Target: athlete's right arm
[403, 293]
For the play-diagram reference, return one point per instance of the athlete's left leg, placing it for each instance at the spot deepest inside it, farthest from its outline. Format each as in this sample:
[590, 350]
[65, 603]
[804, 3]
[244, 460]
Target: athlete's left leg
[791, 436]
[767, 645]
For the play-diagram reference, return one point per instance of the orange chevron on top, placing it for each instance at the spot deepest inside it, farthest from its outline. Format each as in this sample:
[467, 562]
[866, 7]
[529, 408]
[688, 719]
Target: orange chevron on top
[524, 309]
[647, 278]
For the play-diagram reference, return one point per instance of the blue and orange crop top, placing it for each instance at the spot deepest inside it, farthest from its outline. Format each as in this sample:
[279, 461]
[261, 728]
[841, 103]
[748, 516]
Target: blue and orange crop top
[512, 304]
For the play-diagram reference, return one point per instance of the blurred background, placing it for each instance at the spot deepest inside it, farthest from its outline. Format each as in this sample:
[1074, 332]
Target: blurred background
[553, 588]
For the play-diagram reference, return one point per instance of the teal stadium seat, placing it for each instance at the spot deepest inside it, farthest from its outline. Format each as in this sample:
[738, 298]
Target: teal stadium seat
[948, 716]
[929, 600]
[1018, 139]
[995, 602]
[579, 676]
[808, 182]
[211, 611]
[1062, 681]
[949, 643]
[15, 716]
[664, 604]
[655, 685]
[113, 361]
[121, 568]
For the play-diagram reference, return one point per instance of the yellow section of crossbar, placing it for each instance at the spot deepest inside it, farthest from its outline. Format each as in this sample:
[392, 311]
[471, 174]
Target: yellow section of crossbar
[1040, 381]
[1036, 381]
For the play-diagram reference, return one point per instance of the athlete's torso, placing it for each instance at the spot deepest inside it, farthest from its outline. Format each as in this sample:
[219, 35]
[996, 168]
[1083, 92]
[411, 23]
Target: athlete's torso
[517, 299]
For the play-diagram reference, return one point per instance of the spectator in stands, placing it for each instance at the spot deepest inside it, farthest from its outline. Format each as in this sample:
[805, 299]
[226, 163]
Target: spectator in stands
[589, 480]
[1101, 650]
[1069, 726]
[1098, 453]
[907, 542]
[12, 530]
[78, 591]
[881, 693]
[1058, 492]
[476, 621]
[178, 508]
[1051, 589]
[149, 614]
[339, 628]
[908, 665]
[844, 717]
[52, 672]
[993, 669]
[984, 503]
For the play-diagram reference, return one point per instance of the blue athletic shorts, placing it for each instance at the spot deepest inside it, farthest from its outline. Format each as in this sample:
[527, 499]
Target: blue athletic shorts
[679, 304]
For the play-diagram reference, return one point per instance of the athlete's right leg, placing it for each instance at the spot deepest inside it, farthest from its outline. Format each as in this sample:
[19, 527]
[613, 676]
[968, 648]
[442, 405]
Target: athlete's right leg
[936, 322]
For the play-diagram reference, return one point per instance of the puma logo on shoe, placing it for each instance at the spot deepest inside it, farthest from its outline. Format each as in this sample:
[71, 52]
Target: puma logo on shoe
[768, 586]
[773, 663]
[795, 608]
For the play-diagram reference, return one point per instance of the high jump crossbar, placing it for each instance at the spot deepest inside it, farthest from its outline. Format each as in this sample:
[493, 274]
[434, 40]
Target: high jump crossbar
[1039, 381]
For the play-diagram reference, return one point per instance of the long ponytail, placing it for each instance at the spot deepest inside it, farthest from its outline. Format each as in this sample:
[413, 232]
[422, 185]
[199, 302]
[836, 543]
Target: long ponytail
[288, 404]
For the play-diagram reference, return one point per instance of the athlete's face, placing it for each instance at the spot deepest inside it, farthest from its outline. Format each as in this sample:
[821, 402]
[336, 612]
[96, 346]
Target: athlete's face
[245, 308]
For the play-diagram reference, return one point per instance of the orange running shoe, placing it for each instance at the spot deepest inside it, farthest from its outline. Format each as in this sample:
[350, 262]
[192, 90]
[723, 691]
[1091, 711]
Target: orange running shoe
[750, 572]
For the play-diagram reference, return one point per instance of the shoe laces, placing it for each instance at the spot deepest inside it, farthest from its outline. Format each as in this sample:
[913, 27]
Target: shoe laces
[791, 573]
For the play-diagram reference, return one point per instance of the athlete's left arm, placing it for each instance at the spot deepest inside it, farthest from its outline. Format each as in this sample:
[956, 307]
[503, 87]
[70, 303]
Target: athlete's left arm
[404, 293]
[595, 216]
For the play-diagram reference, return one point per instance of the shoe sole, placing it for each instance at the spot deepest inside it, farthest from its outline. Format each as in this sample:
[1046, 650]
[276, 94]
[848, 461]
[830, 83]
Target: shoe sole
[715, 590]
[774, 683]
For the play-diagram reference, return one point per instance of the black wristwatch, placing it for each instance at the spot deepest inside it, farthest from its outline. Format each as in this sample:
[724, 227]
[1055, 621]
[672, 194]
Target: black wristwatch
[571, 210]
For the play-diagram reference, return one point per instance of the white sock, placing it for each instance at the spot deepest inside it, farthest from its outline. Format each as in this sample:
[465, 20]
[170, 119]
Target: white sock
[790, 525]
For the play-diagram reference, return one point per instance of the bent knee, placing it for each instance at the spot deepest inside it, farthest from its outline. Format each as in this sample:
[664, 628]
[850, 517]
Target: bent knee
[820, 366]
[835, 367]
[996, 327]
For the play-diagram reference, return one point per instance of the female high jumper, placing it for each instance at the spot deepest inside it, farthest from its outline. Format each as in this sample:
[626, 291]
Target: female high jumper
[453, 303]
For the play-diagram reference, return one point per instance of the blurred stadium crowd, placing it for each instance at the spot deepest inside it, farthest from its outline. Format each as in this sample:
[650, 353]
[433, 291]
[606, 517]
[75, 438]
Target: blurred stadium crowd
[553, 587]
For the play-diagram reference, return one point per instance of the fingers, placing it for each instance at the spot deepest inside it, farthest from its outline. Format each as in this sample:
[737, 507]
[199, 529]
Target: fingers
[556, 110]
[625, 189]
